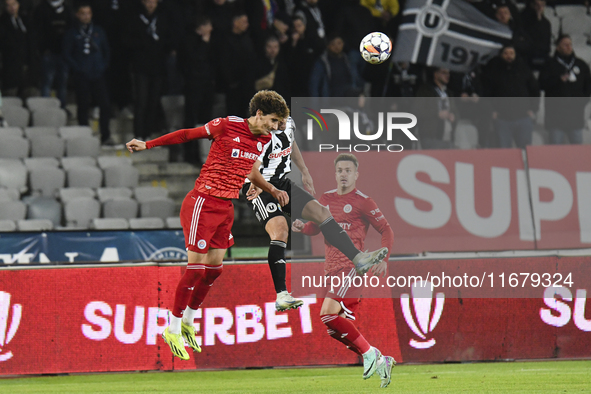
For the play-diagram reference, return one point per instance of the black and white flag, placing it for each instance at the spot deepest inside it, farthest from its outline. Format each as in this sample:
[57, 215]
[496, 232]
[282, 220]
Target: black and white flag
[448, 33]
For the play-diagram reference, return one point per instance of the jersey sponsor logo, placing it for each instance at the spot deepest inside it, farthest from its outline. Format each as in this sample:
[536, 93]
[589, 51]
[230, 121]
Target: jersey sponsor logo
[235, 152]
[248, 155]
[345, 226]
[259, 146]
[6, 336]
[283, 153]
[347, 208]
[201, 244]
[216, 121]
[374, 211]
[237, 139]
[271, 207]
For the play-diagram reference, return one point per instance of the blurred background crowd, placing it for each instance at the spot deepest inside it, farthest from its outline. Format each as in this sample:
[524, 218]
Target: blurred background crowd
[120, 57]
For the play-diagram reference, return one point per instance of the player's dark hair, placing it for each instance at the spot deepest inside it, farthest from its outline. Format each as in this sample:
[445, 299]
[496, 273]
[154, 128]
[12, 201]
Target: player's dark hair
[269, 102]
[347, 157]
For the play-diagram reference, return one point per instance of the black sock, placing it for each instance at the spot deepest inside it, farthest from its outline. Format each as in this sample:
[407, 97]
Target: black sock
[337, 237]
[276, 260]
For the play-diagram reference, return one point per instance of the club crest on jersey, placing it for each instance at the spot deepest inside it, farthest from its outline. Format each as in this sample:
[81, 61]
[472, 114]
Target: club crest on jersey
[216, 122]
[235, 152]
[271, 207]
[347, 208]
[201, 244]
[259, 146]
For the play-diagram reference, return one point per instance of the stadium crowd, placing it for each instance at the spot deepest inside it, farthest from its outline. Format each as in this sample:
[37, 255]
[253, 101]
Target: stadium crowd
[124, 55]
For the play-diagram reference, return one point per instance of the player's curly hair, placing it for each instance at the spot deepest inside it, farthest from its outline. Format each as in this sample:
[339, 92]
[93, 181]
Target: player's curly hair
[269, 102]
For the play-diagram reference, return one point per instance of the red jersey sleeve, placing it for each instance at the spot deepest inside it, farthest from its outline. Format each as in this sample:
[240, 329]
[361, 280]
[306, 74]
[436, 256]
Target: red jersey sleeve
[311, 228]
[376, 218]
[210, 130]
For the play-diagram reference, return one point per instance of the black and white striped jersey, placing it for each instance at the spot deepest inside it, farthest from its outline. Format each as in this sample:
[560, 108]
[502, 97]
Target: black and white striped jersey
[276, 156]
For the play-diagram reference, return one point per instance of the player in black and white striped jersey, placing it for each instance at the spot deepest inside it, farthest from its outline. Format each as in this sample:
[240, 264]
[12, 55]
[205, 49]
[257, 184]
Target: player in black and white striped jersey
[275, 164]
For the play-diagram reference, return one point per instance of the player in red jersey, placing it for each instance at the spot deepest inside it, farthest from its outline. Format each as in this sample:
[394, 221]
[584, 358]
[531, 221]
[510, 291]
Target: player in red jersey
[207, 213]
[355, 212]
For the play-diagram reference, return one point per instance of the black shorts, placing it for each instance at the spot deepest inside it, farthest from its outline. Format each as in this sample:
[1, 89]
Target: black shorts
[266, 207]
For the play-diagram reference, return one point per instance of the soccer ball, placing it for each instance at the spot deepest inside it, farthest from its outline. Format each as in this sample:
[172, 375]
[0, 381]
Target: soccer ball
[375, 48]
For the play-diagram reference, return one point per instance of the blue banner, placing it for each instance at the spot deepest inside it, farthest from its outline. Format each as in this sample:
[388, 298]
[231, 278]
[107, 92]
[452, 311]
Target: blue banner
[104, 246]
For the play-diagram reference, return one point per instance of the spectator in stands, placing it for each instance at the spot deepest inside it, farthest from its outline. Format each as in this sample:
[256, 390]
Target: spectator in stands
[315, 24]
[437, 112]
[147, 38]
[18, 52]
[52, 19]
[261, 18]
[273, 73]
[472, 106]
[353, 22]
[335, 72]
[506, 13]
[303, 50]
[394, 79]
[538, 28]
[220, 13]
[385, 10]
[196, 62]
[86, 52]
[238, 63]
[507, 75]
[566, 76]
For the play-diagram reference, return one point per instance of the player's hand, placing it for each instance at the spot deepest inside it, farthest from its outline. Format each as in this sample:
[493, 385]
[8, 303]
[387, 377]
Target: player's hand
[253, 192]
[297, 226]
[135, 145]
[380, 269]
[281, 196]
[308, 183]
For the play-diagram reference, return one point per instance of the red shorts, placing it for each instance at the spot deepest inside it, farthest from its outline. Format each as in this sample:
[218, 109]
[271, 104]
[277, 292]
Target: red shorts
[345, 293]
[207, 222]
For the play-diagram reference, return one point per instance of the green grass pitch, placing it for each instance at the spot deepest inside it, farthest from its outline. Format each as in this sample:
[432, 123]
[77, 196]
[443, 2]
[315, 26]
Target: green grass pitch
[501, 377]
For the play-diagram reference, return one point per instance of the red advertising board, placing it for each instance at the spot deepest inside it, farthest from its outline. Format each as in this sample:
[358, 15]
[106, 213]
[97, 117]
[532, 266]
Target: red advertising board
[446, 327]
[472, 200]
[110, 319]
[560, 183]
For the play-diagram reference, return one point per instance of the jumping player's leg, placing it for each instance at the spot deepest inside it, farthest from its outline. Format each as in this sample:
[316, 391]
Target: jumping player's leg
[337, 237]
[278, 230]
[271, 215]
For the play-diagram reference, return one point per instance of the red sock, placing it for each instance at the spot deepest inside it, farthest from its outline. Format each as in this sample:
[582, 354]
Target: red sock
[210, 274]
[185, 287]
[346, 332]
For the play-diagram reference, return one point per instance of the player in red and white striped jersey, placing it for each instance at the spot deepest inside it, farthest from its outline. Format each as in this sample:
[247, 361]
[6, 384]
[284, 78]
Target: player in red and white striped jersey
[355, 212]
[207, 213]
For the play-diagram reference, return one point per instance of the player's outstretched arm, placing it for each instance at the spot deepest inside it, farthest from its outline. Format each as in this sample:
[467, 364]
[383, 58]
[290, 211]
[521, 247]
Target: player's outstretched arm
[136, 145]
[296, 156]
[257, 179]
[177, 137]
